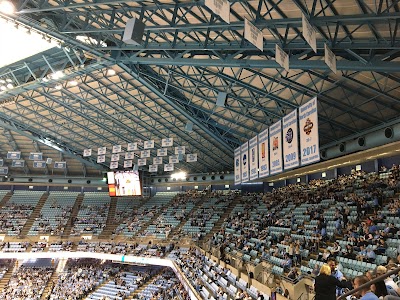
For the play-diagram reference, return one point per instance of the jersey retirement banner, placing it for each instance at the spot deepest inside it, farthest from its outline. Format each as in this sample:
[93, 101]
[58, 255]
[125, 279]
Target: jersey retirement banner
[263, 159]
[290, 141]
[275, 151]
[244, 151]
[253, 153]
[309, 138]
[238, 175]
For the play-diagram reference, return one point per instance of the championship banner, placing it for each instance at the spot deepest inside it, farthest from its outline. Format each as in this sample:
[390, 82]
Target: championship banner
[144, 153]
[157, 161]
[148, 144]
[309, 33]
[263, 161]
[153, 168]
[142, 162]
[39, 164]
[244, 150]
[180, 150]
[168, 142]
[115, 157]
[127, 164]
[60, 165]
[174, 159]
[101, 158]
[309, 138]
[19, 163]
[221, 8]
[238, 175]
[162, 152]
[87, 152]
[253, 152]
[13, 154]
[116, 149]
[36, 156]
[129, 155]
[168, 167]
[101, 151]
[4, 170]
[114, 165]
[132, 146]
[290, 141]
[275, 150]
[253, 35]
[191, 157]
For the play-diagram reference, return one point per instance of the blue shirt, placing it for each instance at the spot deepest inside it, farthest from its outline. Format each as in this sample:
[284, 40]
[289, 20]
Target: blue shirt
[369, 296]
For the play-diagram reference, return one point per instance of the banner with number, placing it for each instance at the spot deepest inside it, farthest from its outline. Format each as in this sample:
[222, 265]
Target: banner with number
[309, 33]
[115, 157]
[180, 150]
[157, 161]
[36, 156]
[168, 167]
[173, 159]
[191, 157]
[128, 164]
[148, 144]
[244, 152]
[221, 8]
[253, 153]
[153, 168]
[263, 158]
[60, 165]
[18, 163]
[168, 142]
[116, 149]
[290, 141]
[275, 150]
[101, 158]
[253, 35]
[114, 165]
[144, 153]
[129, 155]
[142, 162]
[162, 152]
[13, 154]
[39, 164]
[101, 151]
[309, 138]
[132, 146]
[238, 175]
[87, 152]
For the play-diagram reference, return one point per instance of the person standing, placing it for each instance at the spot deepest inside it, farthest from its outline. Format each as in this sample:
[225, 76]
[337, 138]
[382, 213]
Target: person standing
[325, 284]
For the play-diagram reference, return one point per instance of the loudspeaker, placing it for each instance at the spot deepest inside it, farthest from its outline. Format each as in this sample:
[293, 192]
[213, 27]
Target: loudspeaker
[189, 127]
[221, 99]
[180, 157]
[49, 161]
[133, 32]
[135, 167]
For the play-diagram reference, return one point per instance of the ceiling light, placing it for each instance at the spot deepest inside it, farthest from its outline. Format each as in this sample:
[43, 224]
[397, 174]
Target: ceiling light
[3, 88]
[58, 87]
[73, 83]
[9, 80]
[2, 81]
[179, 175]
[111, 72]
[7, 7]
[10, 86]
[57, 75]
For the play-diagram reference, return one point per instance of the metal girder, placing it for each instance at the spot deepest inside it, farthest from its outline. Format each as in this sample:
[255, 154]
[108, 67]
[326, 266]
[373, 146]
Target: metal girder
[37, 149]
[13, 143]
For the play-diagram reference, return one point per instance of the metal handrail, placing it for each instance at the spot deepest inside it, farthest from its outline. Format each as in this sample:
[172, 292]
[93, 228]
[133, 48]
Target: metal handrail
[369, 283]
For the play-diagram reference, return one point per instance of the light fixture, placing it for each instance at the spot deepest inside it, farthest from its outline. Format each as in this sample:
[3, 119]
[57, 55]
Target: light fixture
[111, 72]
[6, 7]
[10, 86]
[58, 87]
[73, 83]
[3, 87]
[178, 175]
[57, 75]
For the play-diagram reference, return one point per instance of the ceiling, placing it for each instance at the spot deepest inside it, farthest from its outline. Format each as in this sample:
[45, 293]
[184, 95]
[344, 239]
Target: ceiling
[187, 56]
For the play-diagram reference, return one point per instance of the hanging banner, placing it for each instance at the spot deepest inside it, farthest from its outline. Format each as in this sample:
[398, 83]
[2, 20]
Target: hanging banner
[153, 168]
[101, 158]
[330, 59]
[238, 175]
[148, 144]
[116, 149]
[129, 155]
[18, 163]
[144, 153]
[60, 165]
[253, 152]
[253, 35]
[1, 162]
[4, 170]
[13, 154]
[162, 152]
[281, 57]
[142, 162]
[36, 156]
[132, 147]
[290, 141]
[191, 157]
[115, 157]
[157, 161]
[221, 8]
[309, 33]
[168, 167]
[168, 142]
[309, 138]
[180, 150]
[263, 150]
[275, 151]
[113, 165]
[87, 152]
[128, 164]
[244, 152]
[39, 164]
[101, 151]
[174, 159]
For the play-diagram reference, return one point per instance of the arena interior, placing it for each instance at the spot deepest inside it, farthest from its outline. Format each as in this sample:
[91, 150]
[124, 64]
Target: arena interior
[145, 150]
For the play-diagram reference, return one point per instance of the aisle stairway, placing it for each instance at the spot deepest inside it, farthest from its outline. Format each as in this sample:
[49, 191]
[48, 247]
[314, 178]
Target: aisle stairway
[35, 214]
[183, 222]
[5, 279]
[72, 217]
[136, 293]
[49, 285]
[5, 199]
[110, 223]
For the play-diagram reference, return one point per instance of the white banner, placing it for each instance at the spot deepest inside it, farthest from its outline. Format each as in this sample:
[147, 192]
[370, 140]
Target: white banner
[144, 153]
[263, 158]
[281, 57]
[309, 138]
[4, 170]
[253, 35]
[113, 165]
[132, 147]
[238, 175]
[191, 157]
[148, 144]
[39, 164]
[13, 154]
[168, 167]
[127, 164]
[253, 153]
[174, 159]
[18, 163]
[162, 152]
[115, 157]
[330, 59]
[221, 8]
[290, 141]
[101, 158]
[275, 150]
[309, 33]
[101, 150]
[129, 155]
[87, 152]
[153, 168]
[244, 154]
[157, 161]
[60, 165]
[36, 156]
[168, 142]
[180, 150]
[141, 162]
[116, 149]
